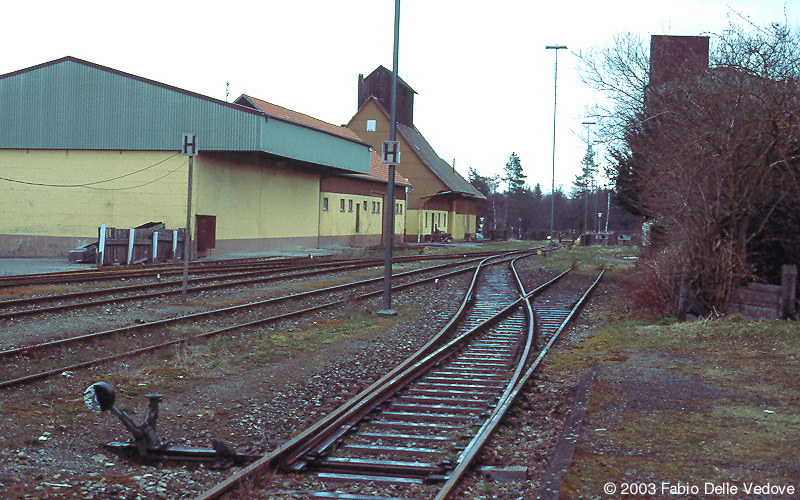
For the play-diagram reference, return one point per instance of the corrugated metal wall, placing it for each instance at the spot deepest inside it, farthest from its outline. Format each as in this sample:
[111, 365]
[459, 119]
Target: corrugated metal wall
[71, 105]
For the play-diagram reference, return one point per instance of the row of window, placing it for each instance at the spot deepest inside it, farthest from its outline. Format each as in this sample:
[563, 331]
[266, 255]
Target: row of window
[435, 220]
[376, 206]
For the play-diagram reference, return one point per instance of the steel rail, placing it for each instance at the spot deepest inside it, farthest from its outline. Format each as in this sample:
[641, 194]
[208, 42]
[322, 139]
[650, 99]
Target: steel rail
[323, 428]
[318, 269]
[259, 303]
[201, 267]
[41, 375]
[468, 456]
[136, 271]
[159, 293]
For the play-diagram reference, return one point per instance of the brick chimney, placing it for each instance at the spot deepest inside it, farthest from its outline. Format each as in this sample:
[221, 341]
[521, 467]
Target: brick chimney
[675, 56]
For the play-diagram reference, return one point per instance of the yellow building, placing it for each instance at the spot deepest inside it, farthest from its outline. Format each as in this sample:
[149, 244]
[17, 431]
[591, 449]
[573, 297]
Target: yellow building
[83, 145]
[352, 207]
[440, 200]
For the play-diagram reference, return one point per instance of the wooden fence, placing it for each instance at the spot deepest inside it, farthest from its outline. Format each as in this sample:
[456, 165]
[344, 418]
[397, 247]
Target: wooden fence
[760, 301]
[149, 243]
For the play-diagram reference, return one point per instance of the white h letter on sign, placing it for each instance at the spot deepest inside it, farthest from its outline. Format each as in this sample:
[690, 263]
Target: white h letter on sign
[189, 147]
[391, 152]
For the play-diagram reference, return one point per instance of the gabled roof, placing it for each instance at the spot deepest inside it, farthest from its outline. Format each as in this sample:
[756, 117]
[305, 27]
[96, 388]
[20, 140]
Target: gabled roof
[380, 172]
[438, 166]
[382, 69]
[424, 151]
[286, 114]
[74, 104]
[123, 74]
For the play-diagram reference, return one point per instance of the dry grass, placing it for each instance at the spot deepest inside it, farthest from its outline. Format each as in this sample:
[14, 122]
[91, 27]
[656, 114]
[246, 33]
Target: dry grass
[708, 401]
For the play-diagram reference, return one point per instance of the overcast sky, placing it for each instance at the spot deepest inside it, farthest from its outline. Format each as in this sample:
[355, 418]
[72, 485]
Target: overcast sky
[483, 77]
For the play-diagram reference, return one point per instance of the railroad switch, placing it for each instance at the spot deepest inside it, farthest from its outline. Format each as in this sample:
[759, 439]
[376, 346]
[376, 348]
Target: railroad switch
[100, 397]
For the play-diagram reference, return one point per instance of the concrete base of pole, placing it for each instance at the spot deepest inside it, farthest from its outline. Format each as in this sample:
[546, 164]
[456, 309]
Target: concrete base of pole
[387, 312]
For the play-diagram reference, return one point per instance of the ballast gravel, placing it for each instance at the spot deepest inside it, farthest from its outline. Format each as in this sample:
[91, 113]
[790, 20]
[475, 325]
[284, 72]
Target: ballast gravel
[51, 447]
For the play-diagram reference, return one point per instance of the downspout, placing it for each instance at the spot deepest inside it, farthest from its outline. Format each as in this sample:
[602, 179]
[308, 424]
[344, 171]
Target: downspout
[319, 213]
[405, 214]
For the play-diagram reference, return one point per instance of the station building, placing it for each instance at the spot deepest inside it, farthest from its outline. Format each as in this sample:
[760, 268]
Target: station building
[440, 198]
[82, 144]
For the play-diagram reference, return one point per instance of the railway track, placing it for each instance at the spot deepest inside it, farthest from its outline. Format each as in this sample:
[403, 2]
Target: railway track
[219, 276]
[28, 363]
[149, 271]
[418, 429]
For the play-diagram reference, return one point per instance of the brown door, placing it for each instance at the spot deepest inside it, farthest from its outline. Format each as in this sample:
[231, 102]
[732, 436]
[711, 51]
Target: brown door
[206, 232]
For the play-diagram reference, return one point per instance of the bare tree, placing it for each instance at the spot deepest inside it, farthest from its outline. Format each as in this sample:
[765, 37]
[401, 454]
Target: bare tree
[709, 156]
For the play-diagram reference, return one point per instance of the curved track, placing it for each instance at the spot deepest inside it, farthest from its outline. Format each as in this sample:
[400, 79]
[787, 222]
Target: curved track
[426, 420]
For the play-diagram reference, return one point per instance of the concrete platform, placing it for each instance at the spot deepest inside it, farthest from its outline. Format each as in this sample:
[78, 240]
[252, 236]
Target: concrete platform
[16, 266]
[21, 265]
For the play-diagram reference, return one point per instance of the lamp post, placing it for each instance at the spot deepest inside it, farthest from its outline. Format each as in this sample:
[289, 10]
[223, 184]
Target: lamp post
[588, 126]
[553, 185]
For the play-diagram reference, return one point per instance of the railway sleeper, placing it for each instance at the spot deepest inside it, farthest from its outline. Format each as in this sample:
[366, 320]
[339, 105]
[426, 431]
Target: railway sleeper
[440, 392]
[337, 495]
[376, 449]
[417, 407]
[410, 399]
[471, 386]
[405, 438]
[417, 426]
[468, 372]
[425, 417]
[382, 468]
[470, 381]
[364, 478]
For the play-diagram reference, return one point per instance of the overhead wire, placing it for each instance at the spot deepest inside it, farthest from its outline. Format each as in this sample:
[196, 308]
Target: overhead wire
[89, 184]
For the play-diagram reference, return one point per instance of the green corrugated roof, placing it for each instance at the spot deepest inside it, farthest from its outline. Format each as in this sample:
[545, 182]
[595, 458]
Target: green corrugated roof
[74, 104]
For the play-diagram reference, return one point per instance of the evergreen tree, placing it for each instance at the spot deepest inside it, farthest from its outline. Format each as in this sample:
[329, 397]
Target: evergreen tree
[513, 174]
[583, 185]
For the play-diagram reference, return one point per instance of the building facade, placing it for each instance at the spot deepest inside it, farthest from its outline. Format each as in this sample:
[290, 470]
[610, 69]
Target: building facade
[440, 199]
[83, 144]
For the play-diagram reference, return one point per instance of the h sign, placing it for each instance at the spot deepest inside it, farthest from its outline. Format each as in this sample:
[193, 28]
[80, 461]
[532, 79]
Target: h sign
[189, 146]
[391, 152]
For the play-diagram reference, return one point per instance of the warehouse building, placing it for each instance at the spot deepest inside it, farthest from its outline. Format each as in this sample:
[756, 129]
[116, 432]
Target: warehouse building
[83, 144]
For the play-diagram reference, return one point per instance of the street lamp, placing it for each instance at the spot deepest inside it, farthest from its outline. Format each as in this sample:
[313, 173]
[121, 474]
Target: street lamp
[588, 126]
[553, 185]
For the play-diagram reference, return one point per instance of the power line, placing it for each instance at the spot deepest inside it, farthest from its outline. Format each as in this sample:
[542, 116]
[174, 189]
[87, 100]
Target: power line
[88, 184]
[143, 184]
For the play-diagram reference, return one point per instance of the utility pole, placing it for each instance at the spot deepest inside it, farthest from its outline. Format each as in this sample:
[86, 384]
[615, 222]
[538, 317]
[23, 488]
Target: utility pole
[189, 148]
[389, 208]
[553, 185]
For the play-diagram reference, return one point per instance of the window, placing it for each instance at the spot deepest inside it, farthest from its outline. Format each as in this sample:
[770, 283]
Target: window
[399, 208]
[325, 204]
[349, 205]
[371, 125]
[439, 220]
[445, 219]
[426, 219]
[365, 206]
[379, 207]
[373, 207]
[341, 205]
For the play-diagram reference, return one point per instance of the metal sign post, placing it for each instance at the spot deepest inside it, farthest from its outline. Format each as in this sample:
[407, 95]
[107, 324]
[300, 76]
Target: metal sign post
[189, 148]
[391, 155]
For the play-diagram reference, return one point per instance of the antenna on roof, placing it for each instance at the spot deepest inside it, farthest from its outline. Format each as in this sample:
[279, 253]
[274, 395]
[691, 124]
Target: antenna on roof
[227, 84]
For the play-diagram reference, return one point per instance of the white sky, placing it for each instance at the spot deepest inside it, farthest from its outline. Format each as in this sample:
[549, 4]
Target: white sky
[483, 76]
